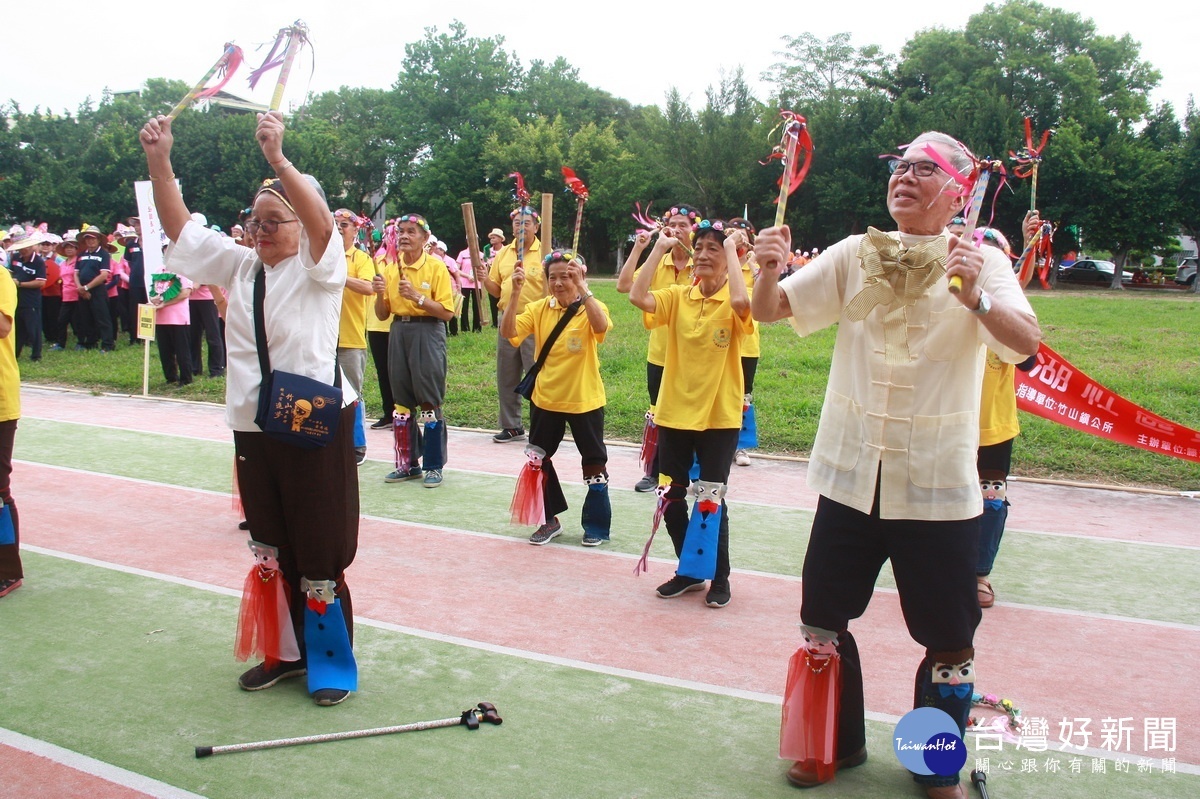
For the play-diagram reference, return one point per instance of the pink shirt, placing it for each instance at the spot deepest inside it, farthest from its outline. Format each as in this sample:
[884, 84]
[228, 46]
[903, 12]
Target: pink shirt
[201, 292]
[70, 290]
[120, 271]
[466, 274]
[177, 313]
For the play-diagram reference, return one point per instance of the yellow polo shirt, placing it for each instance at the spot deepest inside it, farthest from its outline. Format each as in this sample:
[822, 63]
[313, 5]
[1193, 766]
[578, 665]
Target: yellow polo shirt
[665, 275]
[998, 402]
[10, 377]
[702, 384]
[569, 381]
[374, 323]
[428, 276]
[505, 264]
[352, 330]
[751, 344]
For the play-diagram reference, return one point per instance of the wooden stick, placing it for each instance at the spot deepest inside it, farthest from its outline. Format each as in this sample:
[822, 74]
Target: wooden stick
[547, 233]
[468, 212]
[578, 225]
[791, 144]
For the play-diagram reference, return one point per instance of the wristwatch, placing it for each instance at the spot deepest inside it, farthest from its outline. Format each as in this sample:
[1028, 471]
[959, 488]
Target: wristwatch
[421, 302]
[587, 296]
[985, 304]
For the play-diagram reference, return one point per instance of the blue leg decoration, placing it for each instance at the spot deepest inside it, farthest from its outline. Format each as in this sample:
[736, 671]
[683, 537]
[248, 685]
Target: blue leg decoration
[8, 533]
[326, 640]
[360, 428]
[699, 556]
[694, 471]
[435, 441]
[991, 530]
[946, 681]
[748, 437]
[597, 510]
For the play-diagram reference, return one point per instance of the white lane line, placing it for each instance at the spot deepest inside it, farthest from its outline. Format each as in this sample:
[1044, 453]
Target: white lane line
[96, 768]
[1171, 625]
[525, 654]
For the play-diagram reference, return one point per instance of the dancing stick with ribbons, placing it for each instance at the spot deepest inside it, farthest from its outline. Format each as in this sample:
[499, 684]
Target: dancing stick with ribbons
[984, 168]
[292, 38]
[231, 58]
[468, 212]
[522, 195]
[1028, 158]
[581, 192]
[483, 712]
[653, 225]
[795, 138]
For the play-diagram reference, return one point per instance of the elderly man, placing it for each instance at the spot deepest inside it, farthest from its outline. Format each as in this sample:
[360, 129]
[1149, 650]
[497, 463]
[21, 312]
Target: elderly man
[513, 362]
[894, 455]
[352, 329]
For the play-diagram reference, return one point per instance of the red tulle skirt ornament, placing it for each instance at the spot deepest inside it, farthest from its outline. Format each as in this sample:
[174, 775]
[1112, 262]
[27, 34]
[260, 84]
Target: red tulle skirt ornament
[649, 443]
[265, 622]
[529, 499]
[403, 425]
[808, 733]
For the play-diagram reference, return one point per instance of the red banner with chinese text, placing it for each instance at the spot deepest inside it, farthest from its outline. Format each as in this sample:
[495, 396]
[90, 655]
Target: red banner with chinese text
[1056, 390]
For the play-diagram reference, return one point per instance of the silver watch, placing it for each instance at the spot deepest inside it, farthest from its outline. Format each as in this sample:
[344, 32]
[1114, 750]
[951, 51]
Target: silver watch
[985, 304]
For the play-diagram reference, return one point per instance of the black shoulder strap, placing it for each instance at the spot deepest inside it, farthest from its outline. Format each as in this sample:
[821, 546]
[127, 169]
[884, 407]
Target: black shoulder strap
[571, 310]
[260, 330]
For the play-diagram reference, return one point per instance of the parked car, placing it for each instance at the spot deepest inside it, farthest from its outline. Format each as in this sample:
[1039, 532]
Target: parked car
[1098, 273]
[1185, 274]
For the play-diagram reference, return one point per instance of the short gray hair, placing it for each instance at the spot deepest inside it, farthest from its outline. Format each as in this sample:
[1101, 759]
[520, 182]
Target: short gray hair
[957, 153]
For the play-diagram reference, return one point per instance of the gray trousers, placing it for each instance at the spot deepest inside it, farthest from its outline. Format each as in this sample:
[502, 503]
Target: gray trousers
[417, 363]
[354, 364]
[511, 365]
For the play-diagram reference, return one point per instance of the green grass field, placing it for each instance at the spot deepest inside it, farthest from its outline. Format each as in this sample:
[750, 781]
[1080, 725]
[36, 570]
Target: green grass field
[1144, 346]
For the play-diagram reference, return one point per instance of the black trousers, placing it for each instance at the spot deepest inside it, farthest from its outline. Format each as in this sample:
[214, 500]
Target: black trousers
[95, 322]
[174, 352]
[377, 340]
[206, 321]
[52, 329]
[10, 554]
[28, 325]
[305, 502]
[934, 566]
[714, 450]
[471, 304]
[546, 430]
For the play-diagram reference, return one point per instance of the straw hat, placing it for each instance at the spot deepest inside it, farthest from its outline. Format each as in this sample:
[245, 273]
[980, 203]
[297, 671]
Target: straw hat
[24, 239]
[92, 230]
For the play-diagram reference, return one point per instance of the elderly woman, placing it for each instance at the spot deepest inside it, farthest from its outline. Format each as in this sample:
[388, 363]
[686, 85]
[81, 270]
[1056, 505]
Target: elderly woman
[568, 391]
[301, 504]
[894, 456]
[700, 401]
[667, 267]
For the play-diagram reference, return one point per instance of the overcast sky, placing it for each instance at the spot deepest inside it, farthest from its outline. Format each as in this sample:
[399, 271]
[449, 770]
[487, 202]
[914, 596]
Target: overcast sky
[69, 51]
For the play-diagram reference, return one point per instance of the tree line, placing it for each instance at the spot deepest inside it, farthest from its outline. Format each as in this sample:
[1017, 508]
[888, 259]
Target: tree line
[464, 113]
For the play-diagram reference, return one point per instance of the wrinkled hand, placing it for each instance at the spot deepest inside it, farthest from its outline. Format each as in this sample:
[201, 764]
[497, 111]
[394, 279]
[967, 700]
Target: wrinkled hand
[966, 261]
[642, 239]
[773, 247]
[378, 284]
[269, 135]
[665, 240]
[408, 292]
[1033, 223]
[156, 137]
[575, 273]
[518, 279]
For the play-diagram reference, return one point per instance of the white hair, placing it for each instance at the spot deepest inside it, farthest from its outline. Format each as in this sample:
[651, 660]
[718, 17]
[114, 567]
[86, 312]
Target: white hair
[956, 152]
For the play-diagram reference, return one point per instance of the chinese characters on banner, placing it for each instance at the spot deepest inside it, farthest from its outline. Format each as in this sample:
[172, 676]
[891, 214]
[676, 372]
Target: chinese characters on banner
[1056, 390]
[1072, 749]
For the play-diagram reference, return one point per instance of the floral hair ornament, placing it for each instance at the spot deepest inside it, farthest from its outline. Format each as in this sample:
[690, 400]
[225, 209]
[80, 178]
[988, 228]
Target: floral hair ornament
[794, 139]
[416, 219]
[1010, 725]
[231, 58]
[709, 224]
[680, 210]
[527, 210]
[566, 256]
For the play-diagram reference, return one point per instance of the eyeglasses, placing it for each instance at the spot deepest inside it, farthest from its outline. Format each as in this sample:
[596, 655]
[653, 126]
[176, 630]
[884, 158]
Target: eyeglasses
[344, 225]
[922, 169]
[268, 226]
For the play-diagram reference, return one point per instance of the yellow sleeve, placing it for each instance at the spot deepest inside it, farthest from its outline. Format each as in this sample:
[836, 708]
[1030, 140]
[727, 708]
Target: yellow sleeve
[664, 303]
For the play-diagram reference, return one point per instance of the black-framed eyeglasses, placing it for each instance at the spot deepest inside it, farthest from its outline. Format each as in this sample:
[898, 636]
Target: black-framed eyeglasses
[268, 226]
[922, 169]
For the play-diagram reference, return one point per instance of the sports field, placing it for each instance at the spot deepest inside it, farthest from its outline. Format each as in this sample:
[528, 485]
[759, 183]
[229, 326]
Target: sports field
[116, 655]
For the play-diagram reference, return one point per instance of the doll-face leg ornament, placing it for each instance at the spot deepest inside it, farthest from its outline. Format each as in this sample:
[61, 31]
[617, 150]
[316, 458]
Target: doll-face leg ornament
[699, 556]
[331, 661]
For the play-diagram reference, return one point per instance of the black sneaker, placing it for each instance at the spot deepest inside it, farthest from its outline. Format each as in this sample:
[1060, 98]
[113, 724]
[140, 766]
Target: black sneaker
[381, 424]
[243, 525]
[327, 697]
[261, 677]
[360, 457]
[544, 534]
[678, 586]
[646, 485]
[718, 595]
[510, 434]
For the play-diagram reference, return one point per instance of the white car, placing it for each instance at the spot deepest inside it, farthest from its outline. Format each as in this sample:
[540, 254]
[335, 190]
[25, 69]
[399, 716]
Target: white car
[1185, 274]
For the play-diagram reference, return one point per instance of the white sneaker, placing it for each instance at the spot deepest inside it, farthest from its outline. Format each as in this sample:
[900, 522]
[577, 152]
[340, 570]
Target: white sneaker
[741, 458]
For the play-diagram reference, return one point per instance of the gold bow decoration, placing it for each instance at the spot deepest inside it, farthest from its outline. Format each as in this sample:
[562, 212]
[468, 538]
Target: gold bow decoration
[889, 268]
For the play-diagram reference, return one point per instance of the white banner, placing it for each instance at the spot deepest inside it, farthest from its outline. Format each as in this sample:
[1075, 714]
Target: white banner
[153, 237]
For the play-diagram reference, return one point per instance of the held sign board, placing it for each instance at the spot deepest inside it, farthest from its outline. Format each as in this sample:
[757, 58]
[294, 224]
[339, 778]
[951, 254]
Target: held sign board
[146, 317]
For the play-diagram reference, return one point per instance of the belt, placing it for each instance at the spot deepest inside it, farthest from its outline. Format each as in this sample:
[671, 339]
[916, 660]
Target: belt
[407, 319]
